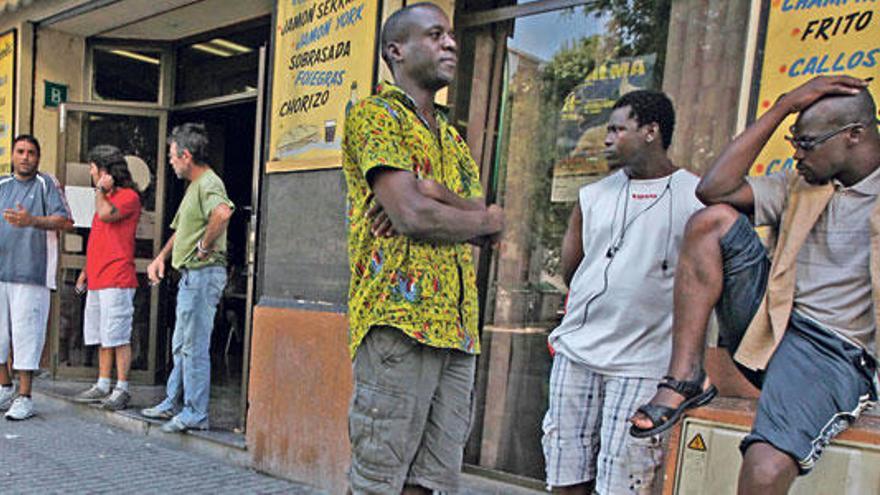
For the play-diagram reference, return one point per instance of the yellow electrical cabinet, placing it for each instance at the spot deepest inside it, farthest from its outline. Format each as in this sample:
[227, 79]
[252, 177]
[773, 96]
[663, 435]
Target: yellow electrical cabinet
[707, 461]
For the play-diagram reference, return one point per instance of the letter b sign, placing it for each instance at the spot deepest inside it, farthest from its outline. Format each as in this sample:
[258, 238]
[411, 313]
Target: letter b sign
[55, 94]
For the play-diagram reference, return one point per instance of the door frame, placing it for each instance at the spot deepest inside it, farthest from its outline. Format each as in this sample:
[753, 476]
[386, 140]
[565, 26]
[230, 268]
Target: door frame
[253, 229]
[74, 261]
[251, 235]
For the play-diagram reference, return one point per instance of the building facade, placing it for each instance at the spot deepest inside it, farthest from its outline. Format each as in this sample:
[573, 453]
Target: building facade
[535, 83]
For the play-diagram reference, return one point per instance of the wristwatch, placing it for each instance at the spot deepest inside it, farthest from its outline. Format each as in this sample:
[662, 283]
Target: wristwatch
[201, 248]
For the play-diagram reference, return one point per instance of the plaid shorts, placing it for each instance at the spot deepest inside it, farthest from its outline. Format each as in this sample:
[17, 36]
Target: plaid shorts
[586, 431]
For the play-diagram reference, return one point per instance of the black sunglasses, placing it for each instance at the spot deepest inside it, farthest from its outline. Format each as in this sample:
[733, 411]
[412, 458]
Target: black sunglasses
[809, 144]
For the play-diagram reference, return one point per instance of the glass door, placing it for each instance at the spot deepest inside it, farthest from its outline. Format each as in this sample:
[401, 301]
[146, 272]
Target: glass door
[536, 85]
[140, 134]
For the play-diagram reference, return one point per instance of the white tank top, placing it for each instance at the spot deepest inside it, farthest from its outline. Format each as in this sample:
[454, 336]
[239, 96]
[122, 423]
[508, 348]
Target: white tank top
[619, 314]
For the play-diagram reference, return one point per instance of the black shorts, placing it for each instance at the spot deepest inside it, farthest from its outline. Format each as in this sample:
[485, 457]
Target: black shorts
[816, 383]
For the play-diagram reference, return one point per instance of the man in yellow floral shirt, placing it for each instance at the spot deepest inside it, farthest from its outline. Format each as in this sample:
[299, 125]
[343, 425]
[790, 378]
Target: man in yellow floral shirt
[415, 202]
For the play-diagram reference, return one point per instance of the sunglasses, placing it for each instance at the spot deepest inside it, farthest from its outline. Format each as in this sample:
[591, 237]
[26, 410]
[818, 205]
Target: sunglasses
[809, 144]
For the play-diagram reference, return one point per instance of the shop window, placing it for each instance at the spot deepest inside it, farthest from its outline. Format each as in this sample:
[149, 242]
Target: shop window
[126, 74]
[220, 64]
[560, 73]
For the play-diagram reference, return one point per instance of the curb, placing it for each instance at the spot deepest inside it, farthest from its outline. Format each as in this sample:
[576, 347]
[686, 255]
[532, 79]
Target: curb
[226, 447]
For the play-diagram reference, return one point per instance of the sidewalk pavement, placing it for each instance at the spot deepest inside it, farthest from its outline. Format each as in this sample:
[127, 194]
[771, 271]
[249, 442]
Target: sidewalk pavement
[60, 451]
[78, 448]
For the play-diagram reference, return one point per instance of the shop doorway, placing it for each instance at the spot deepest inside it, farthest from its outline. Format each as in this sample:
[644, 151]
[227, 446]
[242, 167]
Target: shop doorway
[136, 92]
[231, 130]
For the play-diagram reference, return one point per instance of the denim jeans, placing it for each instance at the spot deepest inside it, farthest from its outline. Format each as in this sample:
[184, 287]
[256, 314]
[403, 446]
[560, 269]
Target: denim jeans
[189, 384]
[746, 271]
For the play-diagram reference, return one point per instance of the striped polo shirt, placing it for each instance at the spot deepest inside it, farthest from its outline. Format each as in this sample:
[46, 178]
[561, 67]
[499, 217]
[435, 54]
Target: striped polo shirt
[29, 255]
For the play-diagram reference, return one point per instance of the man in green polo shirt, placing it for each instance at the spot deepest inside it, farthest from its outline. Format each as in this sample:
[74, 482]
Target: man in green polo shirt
[198, 251]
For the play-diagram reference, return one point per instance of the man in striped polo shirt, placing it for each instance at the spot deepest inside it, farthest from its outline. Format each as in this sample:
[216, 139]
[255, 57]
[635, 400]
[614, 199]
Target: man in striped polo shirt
[34, 210]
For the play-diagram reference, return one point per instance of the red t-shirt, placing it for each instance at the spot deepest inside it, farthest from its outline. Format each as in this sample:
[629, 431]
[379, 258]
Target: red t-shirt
[110, 253]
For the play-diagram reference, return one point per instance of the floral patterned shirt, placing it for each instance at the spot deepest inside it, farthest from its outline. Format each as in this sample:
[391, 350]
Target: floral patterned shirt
[427, 290]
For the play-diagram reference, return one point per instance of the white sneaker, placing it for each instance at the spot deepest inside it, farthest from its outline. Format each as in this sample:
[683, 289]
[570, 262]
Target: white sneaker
[93, 394]
[7, 395]
[22, 408]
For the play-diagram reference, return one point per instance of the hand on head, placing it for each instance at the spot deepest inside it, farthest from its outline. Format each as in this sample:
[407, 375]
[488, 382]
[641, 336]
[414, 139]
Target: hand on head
[808, 93]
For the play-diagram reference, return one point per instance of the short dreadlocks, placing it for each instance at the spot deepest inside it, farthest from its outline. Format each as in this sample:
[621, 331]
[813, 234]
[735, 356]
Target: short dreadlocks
[648, 107]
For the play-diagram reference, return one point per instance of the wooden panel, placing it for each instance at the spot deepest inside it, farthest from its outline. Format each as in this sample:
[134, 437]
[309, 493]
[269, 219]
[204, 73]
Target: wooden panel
[300, 387]
[480, 91]
[496, 399]
[704, 63]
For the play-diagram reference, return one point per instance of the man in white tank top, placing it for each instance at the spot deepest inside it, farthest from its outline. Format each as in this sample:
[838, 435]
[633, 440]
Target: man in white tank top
[611, 349]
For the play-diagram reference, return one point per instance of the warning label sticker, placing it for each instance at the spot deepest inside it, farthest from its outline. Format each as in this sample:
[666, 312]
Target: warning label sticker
[697, 443]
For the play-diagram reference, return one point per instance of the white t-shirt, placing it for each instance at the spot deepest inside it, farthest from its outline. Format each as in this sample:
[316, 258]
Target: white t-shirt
[618, 318]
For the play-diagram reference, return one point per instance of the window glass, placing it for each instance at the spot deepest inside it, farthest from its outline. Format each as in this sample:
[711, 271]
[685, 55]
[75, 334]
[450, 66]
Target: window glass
[126, 74]
[562, 72]
[219, 65]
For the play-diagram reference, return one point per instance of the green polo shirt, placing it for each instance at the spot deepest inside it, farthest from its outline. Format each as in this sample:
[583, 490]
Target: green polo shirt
[191, 220]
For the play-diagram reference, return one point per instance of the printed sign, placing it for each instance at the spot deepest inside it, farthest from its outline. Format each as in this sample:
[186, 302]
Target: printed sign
[324, 58]
[697, 443]
[54, 94]
[7, 98]
[807, 38]
[584, 117]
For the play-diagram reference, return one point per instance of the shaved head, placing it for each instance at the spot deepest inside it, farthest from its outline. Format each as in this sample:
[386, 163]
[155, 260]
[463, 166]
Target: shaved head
[397, 27]
[840, 110]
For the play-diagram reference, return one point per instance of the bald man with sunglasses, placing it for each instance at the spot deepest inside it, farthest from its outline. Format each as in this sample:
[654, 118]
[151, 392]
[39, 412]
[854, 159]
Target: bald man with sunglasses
[802, 327]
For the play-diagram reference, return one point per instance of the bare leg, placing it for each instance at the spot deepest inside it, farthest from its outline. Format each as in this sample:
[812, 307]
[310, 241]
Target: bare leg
[24, 382]
[123, 362]
[766, 470]
[5, 375]
[699, 280]
[105, 362]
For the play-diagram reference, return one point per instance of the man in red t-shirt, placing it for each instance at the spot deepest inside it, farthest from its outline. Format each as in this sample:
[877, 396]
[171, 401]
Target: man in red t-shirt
[110, 275]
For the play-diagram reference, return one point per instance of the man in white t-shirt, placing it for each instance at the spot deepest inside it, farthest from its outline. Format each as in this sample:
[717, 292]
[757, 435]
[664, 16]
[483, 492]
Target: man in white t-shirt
[618, 258]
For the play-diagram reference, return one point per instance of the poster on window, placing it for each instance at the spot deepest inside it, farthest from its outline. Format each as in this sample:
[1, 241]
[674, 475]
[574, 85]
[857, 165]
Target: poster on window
[324, 59]
[584, 117]
[808, 39]
[7, 98]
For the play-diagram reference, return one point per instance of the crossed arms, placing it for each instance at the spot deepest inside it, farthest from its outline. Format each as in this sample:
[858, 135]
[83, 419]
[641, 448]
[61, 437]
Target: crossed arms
[426, 210]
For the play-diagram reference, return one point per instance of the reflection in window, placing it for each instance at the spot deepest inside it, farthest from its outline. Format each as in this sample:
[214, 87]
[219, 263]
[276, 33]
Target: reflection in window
[563, 70]
[126, 74]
